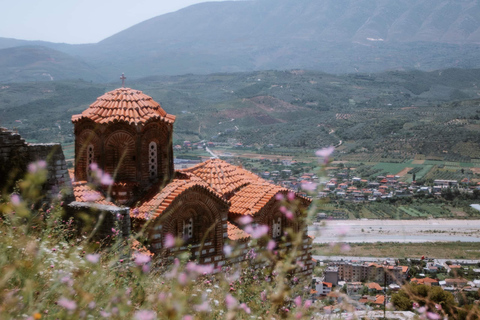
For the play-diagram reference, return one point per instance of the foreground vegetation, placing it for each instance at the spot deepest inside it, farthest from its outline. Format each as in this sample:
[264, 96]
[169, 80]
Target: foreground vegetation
[49, 269]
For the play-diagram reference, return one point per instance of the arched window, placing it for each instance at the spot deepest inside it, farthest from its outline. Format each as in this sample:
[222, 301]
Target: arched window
[120, 156]
[152, 160]
[277, 228]
[90, 157]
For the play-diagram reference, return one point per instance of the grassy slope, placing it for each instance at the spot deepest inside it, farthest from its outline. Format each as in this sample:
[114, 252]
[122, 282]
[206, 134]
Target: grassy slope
[441, 250]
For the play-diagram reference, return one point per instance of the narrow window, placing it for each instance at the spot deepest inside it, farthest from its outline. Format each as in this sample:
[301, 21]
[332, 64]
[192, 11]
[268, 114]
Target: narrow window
[152, 160]
[90, 156]
[277, 228]
[188, 229]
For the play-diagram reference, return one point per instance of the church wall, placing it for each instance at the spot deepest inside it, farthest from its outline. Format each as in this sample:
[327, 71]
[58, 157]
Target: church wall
[208, 214]
[121, 156]
[85, 137]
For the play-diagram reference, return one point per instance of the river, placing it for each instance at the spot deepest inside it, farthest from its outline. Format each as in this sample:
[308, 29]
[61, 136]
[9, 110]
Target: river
[431, 230]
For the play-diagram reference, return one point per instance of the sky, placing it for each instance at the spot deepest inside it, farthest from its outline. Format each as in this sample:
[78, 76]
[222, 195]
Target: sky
[78, 21]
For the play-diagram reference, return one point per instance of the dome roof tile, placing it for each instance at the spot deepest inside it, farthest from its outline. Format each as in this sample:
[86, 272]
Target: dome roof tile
[127, 105]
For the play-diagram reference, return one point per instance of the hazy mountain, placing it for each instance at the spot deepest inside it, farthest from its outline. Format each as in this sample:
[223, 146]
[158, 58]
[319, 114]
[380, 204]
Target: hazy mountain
[37, 63]
[330, 35]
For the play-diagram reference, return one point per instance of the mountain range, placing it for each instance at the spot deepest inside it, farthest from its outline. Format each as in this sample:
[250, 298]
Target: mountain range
[336, 36]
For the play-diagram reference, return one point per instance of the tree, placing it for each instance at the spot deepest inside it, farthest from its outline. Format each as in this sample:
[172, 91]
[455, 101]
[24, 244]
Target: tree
[402, 301]
[424, 296]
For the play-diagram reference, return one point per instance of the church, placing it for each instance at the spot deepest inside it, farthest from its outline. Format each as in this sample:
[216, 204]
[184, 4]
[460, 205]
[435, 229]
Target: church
[128, 135]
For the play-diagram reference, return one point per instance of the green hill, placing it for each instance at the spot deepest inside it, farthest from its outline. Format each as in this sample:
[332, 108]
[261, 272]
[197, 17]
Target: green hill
[393, 115]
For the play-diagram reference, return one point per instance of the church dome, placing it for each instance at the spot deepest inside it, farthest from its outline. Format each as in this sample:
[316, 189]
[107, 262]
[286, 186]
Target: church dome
[124, 105]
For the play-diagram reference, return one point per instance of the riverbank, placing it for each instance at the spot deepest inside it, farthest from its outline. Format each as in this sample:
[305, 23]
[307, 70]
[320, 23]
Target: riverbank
[438, 250]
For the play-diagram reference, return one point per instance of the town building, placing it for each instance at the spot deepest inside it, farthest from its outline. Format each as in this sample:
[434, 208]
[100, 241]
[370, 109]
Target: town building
[380, 273]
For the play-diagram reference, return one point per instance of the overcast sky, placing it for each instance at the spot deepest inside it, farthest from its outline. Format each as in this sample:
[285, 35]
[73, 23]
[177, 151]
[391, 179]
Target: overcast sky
[78, 21]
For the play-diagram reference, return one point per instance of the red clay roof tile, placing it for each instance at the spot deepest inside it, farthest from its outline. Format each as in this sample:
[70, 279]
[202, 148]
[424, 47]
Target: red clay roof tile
[235, 233]
[251, 199]
[124, 104]
[222, 176]
[84, 193]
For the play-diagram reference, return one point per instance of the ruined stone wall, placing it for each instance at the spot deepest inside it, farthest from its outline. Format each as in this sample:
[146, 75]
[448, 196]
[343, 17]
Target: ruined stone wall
[16, 154]
[111, 220]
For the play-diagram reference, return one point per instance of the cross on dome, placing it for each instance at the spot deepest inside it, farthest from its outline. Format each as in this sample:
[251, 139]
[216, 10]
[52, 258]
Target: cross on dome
[123, 79]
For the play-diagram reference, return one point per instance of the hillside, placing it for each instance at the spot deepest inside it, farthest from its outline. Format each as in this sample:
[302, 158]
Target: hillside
[37, 63]
[390, 114]
[334, 36]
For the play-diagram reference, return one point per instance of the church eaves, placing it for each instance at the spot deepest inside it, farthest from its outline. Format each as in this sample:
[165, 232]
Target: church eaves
[156, 202]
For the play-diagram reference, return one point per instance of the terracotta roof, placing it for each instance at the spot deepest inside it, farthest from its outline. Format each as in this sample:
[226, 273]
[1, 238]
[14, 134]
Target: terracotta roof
[426, 281]
[137, 247]
[380, 299]
[222, 176]
[124, 104]
[235, 233]
[252, 198]
[156, 202]
[84, 193]
[374, 285]
[363, 300]
[248, 192]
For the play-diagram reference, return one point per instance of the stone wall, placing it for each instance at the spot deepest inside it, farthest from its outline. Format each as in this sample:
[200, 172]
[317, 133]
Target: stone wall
[16, 155]
[112, 220]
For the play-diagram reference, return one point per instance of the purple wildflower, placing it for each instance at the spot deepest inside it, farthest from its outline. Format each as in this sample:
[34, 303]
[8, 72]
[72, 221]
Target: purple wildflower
[204, 307]
[298, 301]
[67, 304]
[15, 199]
[230, 301]
[245, 308]
[271, 245]
[325, 153]
[227, 250]
[433, 316]
[309, 186]
[93, 258]
[291, 196]
[256, 232]
[169, 241]
[245, 220]
[145, 315]
[106, 179]
[141, 259]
